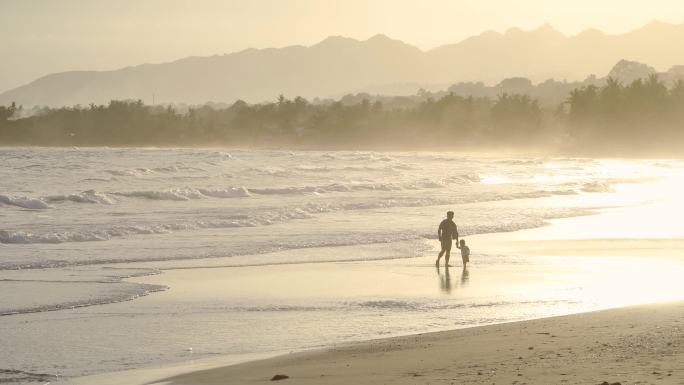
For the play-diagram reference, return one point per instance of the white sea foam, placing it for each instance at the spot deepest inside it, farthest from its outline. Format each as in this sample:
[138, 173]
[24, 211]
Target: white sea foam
[281, 215]
[597, 186]
[283, 190]
[94, 235]
[230, 192]
[188, 193]
[270, 171]
[166, 169]
[372, 156]
[24, 202]
[260, 188]
[349, 187]
[89, 196]
[25, 237]
[357, 168]
[177, 194]
[463, 178]
[223, 155]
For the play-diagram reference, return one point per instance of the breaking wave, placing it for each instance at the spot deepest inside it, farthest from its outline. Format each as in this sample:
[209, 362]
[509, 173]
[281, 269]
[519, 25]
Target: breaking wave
[141, 171]
[24, 202]
[185, 194]
[89, 196]
[329, 169]
[26, 237]
[135, 172]
[597, 187]
[271, 217]
[188, 193]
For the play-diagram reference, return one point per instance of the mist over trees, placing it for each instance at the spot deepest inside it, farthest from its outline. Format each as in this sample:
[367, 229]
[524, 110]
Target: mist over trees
[644, 113]
[632, 111]
[642, 116]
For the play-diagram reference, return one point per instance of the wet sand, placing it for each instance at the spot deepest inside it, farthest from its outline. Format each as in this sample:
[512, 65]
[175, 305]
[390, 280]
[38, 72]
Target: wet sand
[643, 344]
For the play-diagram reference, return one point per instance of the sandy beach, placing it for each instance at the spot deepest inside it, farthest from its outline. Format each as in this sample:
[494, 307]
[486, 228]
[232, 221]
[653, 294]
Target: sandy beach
[642, 344]
[298, 276]
[635, 345]
[632, 345]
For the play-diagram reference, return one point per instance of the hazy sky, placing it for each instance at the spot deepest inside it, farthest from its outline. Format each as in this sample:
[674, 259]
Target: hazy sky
[38, 37]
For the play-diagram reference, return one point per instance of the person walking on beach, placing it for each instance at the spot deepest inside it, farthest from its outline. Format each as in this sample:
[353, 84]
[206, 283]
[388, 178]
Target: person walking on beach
[446, 232]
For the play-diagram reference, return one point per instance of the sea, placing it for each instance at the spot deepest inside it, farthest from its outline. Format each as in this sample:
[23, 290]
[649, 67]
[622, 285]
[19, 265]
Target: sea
[90, 239]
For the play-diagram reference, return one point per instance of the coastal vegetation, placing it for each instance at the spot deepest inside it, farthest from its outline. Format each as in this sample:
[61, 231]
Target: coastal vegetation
[642, 115]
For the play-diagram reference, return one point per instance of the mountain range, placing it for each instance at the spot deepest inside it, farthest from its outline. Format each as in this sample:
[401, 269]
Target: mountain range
[339, 65]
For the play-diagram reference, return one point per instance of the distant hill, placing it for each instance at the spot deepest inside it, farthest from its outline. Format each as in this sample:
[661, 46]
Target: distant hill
[339, 65]
[550, 93]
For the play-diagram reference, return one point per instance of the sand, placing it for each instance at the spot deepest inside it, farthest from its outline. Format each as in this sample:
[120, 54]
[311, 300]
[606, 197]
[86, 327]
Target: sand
[642, 344]
[635, 345]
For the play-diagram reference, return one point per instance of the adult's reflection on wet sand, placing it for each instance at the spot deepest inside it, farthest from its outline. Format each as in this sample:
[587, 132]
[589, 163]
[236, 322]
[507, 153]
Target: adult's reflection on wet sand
[445, 279]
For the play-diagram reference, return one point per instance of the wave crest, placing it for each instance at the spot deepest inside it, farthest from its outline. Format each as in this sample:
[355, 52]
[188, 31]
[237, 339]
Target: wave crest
[88, 196]
[24, 202]
[597, 187]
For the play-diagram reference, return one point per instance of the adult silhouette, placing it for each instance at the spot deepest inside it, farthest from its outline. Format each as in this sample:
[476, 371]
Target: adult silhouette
[446, 232]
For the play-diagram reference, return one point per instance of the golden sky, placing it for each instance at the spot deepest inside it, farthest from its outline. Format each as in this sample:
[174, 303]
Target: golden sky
[44, 36]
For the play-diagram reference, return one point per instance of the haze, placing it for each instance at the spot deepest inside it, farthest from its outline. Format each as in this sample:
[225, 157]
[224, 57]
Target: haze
[41, 37]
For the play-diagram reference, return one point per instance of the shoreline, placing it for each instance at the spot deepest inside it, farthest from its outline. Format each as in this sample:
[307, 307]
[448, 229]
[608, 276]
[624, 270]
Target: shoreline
[532, 351]
[337, 359]
[492, 151]
[264, 307]
[525, 242]
[252, 368]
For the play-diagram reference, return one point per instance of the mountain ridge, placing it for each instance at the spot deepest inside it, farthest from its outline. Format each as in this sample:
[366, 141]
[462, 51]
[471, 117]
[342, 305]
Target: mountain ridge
[338, 65]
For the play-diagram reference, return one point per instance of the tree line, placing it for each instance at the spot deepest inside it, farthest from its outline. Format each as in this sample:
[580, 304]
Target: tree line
[643, 114]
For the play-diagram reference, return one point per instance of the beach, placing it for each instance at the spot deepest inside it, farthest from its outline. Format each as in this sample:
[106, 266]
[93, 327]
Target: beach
[631, 345]
[627, 344]
[641, 344]
[130, 280]
[635, 345]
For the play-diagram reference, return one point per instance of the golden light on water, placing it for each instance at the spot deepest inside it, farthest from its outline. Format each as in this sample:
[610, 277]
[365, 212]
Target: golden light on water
[628, 251]
[629, 281]
[655, 210]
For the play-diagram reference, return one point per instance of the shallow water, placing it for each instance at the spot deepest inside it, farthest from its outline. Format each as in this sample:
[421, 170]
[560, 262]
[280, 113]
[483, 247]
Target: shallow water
[74, 223]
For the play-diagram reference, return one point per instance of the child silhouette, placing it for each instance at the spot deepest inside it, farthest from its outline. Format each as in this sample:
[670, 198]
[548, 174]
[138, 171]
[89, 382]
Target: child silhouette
[465, 252]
